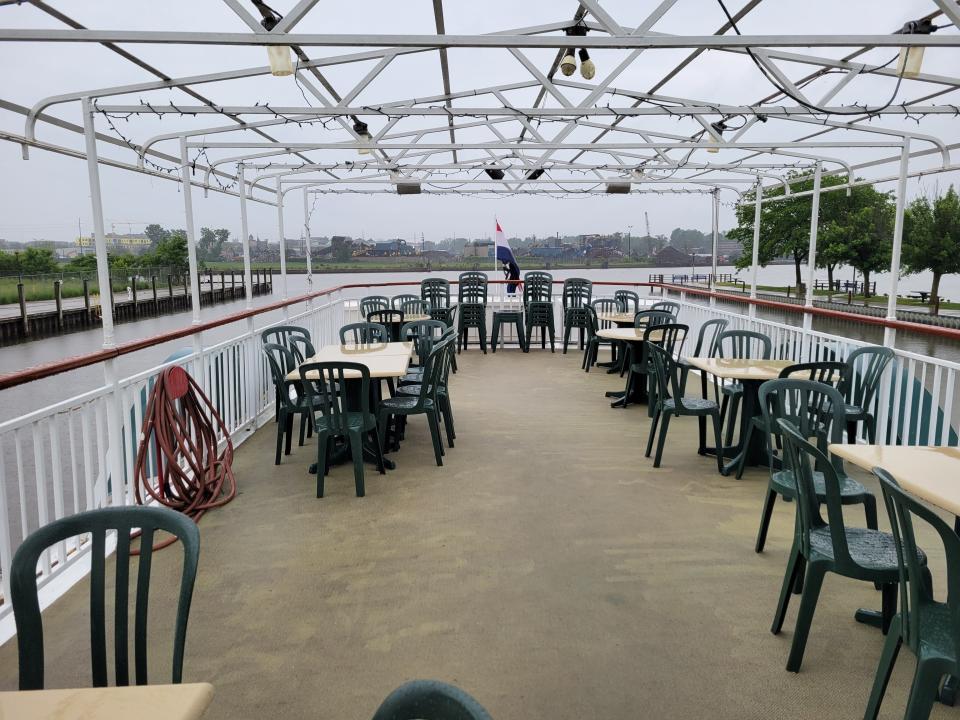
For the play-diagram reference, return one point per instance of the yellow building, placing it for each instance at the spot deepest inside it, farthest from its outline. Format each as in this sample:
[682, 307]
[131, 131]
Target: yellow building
[132, 243]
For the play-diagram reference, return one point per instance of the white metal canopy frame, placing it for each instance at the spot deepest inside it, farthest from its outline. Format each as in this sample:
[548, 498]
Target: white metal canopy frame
[827, 104]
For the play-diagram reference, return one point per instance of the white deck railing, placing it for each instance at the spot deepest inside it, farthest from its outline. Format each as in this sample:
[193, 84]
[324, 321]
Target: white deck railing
[55, 461]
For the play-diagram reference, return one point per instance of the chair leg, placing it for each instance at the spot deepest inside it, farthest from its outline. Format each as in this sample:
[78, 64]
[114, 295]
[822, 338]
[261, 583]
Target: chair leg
[743, 456]
[303, 428]
[808, 604]
[871, 422]
[923, 692]
[888, 658]
[734, 410]
[375, 438]
[716, 438]
[789, 577]
[566, 336]
[356, 450]
[435, 436]
[322, 441]
[765, 516]
[552, 335]
[447, 420]
[888, 605]
[702, 435]
[288, 429]
[653, 433]
[851, 432]
[870, 511]
[662, 438]
[383, 422]
[281, 431]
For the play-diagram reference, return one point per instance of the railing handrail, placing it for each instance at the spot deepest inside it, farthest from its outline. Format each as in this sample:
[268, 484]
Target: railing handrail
[45, 370]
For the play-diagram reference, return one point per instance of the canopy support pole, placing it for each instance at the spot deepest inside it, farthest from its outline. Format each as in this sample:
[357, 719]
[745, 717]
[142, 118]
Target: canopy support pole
[284, 288]
[812, 251]
[889, 333]
[755, 256]
[114, 412]
[306, 241]
[245, 239]
[715, 204]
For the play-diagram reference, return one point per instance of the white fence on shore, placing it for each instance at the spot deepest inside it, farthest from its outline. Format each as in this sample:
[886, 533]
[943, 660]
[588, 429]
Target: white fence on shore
[57, 460]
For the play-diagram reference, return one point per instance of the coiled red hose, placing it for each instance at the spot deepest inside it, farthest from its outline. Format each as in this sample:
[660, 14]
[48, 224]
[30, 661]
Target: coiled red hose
[181, 430]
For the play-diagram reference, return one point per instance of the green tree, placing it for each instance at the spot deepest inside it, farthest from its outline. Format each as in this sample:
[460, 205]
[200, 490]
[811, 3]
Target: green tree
[172, 251]
[9, 263]
[83, 263]
[870, 235]
[156, 233]
[931, 239]
[34, 261]
[210, 246]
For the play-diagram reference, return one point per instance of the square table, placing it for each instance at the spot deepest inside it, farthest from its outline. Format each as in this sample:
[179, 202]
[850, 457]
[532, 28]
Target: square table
[383, 360]
[637, 393]
[929, 472]
[622, 319]
[751, 374]
[143, 702]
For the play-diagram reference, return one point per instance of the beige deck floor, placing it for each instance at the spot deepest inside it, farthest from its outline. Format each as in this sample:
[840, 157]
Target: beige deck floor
[547, 568]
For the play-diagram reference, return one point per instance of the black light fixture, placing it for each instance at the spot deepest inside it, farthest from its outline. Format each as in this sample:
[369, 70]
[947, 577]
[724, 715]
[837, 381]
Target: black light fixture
[618, 188]
[718, 127]
[494, 173]
[408, 188]
[911, 58]
[281, 64]
[360, 128]
[534, 174]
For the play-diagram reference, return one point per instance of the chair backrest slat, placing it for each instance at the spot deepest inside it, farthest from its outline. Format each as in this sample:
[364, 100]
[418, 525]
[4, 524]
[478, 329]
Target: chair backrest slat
[98, 621]
[143, 600]
[121, 610]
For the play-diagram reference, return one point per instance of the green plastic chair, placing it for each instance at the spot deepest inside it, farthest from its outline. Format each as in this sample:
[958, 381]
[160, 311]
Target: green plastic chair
[473, 314]
[291, 398]
[931, 629]
[360, 333]
[442, 391]
[293, 337]
[370, 303]
[397, 301]
[828, 546]
[424, 334]
[627, 300]
[415, 307]
[577, 294]
[640, 365]
[537, 287]
[472, 287]
[436, 293]
[388, 318]
[123, 520]
[804, 403]
[867, 367]
[430, 700]
[328, 393]
[741, 344]
[591, 350]
[827, 372]
[669, 306]
[423, 404]
[670, 402]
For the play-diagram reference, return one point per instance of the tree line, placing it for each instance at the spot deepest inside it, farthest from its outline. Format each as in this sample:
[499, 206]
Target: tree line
[168, 248]
[855, 228]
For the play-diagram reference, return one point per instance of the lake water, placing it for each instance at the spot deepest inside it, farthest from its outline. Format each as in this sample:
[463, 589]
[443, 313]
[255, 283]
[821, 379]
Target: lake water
[20, 400]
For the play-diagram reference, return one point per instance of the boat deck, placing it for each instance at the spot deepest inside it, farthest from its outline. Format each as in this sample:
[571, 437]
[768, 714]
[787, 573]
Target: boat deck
[547, 568]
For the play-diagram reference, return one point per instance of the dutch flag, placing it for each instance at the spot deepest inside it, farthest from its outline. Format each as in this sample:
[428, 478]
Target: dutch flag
[511, 271]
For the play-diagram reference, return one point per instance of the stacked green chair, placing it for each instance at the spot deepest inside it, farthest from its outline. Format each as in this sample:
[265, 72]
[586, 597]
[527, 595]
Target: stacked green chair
[364, 332]
[931, 629]
[821, 546]
[640, 364]
[436, 293]
[296, 339]
[627, 301]
[98, 523]
[441, 395]
[744, 345]
[577, 294]
[594, 342]
[795, 399]
[538, 306]
[397, 301]
[371, 303]
[327, 392]
[867, 365]
[828, 372]
[670, 402]
[424, 403]
[292, 401]
[669, 306]
[472, 309]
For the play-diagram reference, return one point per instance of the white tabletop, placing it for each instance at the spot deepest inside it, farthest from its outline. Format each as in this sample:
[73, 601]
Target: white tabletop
[741, 368]
[383, 360]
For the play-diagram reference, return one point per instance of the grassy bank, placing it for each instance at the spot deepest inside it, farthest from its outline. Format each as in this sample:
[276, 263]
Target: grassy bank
[878, 300]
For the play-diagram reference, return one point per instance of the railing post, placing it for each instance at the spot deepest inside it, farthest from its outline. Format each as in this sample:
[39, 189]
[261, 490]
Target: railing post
[248, 282]
[889, 333]
[58, 298]
[114, 464]
[306, 233]
[24, 320]
[283, 250]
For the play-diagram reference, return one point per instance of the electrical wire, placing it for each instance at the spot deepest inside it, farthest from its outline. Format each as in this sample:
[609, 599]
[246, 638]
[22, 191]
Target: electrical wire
[863, 110]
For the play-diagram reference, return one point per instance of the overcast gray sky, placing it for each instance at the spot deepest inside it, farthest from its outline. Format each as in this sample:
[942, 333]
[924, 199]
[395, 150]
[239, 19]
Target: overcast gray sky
[48, 197]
